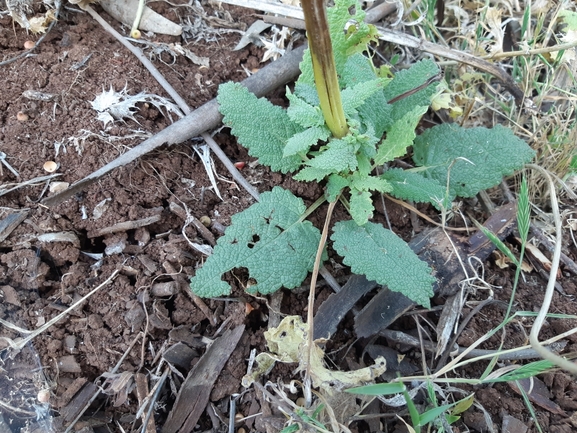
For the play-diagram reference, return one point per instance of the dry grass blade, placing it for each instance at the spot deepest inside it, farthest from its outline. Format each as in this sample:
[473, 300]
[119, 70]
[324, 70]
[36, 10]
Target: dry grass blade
[271, 7]
[534, 336]
[20, 344]
[310, 312]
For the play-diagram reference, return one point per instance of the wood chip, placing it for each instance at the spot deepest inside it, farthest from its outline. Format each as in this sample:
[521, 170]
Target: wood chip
[77, 404]
[9, 224]
[195, 391]
[142, 394]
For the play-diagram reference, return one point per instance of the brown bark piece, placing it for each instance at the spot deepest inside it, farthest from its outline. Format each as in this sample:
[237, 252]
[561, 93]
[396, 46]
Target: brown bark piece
[337, 305]
[501, 223]
[437, 250]
[195, 391]
[141, 394]
[8, 224]
[78, 403]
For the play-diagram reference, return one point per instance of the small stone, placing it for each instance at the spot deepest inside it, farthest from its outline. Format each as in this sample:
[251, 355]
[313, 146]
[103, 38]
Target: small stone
[68, 364]
[58, 186]
[21, 116]
[142, 236]
[70, 342]
[164, 289]
[43, 396]
[513, 425]
[115, 248]
[95, 321]
[180, 355]
[29, 45]
[9, 295]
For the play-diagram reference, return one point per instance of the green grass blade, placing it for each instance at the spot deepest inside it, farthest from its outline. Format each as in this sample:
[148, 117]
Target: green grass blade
[379, 389]
[498, 243]
[523, 211]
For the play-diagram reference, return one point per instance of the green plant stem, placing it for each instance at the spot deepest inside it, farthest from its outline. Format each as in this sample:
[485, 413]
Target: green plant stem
[323, 61]
[311, 303]
[134, 32]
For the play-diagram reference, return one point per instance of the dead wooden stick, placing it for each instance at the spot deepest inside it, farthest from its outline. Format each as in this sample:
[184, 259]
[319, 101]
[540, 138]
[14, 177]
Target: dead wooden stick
[202, 119]
[204, 232]
[125, 226]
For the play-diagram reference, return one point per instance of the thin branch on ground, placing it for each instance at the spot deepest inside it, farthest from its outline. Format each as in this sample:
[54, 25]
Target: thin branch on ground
[20, 344]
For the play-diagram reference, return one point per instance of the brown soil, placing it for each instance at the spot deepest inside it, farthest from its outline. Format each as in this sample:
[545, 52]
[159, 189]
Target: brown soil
[39, 279]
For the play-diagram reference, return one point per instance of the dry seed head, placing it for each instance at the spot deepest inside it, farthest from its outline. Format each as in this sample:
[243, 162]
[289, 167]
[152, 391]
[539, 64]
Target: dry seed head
[248, 309]
[43, 396]
[205, 220]
[50, 166]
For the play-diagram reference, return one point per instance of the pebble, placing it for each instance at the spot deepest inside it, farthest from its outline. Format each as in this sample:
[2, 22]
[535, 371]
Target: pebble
[164, 289]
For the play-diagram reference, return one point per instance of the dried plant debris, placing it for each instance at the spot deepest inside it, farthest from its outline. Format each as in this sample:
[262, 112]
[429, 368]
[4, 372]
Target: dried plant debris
[287, 344]
[173, 50]
[112, 105]
[22, 12]
[200, 26]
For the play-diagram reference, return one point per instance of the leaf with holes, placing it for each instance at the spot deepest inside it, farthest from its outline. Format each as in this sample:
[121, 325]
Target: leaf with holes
[268, 239]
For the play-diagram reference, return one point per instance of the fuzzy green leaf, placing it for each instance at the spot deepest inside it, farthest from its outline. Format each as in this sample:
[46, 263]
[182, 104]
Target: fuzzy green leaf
[400, 135]
[301, 142]
[408, 185]
[370, 183]
[303, 113]
[309, 174]
[382, 256]
[477, 158]
[267, 138]
[361, 206]
[410, 79]
[335, 185]
[355, 96]
[376, 111]
[339, 155]
[268, 240]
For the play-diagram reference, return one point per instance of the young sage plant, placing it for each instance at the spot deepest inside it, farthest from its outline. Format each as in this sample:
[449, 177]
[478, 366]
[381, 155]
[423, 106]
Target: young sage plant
[273, 240]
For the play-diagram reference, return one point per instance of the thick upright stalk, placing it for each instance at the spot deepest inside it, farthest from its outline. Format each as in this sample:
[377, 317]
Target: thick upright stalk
[324, 69]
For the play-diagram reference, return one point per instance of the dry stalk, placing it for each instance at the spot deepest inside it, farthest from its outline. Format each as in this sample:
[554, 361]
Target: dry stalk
[540, 319]
[20, 344]
[97, 393]
[311, 304]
